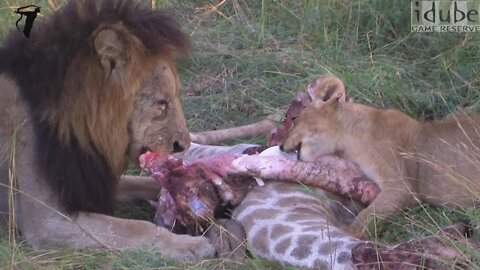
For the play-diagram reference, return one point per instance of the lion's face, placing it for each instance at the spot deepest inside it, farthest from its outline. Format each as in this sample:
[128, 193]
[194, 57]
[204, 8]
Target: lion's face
[158, 123]
[313, 131]
[147, 95]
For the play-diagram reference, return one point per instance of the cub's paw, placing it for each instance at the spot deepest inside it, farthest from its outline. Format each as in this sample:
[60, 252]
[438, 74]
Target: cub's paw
[185, 248]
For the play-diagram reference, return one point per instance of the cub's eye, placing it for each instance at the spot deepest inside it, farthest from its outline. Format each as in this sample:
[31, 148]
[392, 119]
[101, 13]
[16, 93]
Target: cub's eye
[294, 118]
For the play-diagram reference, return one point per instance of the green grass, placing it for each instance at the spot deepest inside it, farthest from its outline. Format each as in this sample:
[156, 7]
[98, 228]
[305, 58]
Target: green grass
[250, 57]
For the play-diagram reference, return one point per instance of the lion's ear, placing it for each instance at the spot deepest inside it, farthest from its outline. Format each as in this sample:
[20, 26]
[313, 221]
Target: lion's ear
[110, 50]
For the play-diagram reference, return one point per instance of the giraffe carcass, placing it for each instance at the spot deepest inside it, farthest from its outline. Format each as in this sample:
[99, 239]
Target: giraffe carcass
[193, 192]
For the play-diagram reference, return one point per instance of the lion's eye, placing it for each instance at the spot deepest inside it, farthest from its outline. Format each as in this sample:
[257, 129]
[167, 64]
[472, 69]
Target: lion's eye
[160, 108]
[161, 104]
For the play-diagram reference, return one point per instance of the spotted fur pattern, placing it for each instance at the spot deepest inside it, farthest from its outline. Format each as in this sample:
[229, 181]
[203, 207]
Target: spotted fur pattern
[292, 224]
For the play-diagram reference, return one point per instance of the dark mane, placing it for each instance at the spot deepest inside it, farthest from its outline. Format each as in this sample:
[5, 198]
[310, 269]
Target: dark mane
[84, 179]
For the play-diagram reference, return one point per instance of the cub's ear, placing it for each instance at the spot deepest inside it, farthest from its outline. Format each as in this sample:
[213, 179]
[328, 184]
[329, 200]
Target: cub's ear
[335, 91]
[326, 88]
[338, 97]
[111, 51]
[330, 91]
[318, 103]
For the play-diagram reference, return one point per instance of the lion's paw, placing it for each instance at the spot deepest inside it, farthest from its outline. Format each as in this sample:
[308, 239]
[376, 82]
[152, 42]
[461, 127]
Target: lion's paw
[185, 248]
[229, 238]
[358, 231]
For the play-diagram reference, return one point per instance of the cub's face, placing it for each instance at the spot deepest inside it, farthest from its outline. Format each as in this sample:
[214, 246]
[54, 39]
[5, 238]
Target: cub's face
[158, 123]
[314, 131]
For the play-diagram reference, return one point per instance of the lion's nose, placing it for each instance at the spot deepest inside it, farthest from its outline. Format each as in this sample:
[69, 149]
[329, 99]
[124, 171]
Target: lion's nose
[178, 147]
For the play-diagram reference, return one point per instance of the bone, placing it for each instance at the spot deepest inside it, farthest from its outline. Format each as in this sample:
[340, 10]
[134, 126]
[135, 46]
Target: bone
[263, 127]
[328, 172]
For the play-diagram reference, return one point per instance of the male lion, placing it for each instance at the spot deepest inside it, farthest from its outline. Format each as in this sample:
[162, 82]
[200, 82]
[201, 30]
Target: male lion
[435, 162]
[94, 86]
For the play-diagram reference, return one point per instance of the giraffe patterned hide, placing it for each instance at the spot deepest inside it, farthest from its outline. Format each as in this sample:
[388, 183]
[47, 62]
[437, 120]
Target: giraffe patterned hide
[296, 225]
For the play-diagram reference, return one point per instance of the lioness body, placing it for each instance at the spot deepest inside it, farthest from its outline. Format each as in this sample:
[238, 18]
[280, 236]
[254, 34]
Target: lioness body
[92, 88]
[411, 161]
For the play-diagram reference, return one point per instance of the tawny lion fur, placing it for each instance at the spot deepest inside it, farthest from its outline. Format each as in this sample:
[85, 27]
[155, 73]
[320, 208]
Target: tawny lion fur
[93, 87]
[435, 162]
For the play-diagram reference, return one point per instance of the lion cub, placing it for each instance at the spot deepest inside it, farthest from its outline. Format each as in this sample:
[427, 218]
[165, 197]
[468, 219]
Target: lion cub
[435, 162]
